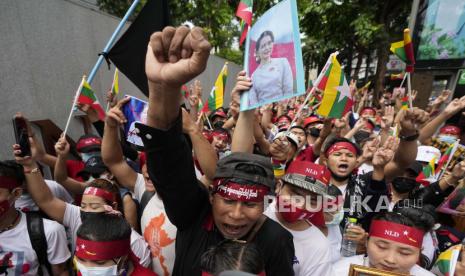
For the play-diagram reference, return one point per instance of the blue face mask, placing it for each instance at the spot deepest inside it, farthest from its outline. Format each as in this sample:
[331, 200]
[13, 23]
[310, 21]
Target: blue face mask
[447, 139]
[337, 218]
[87, 155]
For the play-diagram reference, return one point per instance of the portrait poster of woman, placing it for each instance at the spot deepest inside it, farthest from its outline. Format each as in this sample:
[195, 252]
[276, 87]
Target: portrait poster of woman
[273, 57]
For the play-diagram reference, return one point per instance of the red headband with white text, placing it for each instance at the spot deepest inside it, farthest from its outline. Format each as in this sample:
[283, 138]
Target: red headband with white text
[396, 232]
[240, 192]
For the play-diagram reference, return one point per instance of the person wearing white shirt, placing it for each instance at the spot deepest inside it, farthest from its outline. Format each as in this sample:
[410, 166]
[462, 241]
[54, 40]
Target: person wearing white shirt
[297, 210]
[394, 244]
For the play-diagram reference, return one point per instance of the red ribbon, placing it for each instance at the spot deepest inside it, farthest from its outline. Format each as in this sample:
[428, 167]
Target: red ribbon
[240, 192]
[100, 193]
[101, 250]
[396, 232]
[9, 183]
[339, 146]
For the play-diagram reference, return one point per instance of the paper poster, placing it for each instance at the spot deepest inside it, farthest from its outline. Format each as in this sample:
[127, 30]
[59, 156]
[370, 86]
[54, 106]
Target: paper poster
[456, 198]
[136, 112]
[273, 57]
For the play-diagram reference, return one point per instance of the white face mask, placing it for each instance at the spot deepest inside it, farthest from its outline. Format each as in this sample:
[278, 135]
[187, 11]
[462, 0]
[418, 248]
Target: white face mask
[85, 156]
[337, 218]
[97, 271]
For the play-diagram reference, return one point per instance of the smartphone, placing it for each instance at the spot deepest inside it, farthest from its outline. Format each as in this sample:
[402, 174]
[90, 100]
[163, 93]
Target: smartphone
[21, 135]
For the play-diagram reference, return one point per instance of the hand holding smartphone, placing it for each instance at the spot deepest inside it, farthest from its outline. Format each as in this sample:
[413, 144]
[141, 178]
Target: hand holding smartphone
[21, 135]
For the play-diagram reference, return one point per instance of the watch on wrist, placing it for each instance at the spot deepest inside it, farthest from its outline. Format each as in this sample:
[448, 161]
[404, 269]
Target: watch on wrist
[409, 138]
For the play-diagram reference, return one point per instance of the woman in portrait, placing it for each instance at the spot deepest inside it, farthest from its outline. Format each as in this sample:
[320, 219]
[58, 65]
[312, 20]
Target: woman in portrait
[273, 77]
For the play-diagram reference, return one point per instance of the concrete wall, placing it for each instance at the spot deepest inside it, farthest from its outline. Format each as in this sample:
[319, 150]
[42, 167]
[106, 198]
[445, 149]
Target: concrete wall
[47, 45]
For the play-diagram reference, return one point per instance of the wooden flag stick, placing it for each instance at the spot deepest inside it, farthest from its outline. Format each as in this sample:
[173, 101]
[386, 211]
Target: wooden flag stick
[409, 87]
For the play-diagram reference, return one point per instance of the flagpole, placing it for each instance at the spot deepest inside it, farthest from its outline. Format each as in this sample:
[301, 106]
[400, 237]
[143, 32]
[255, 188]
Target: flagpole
[78, 91]
[409, 87]
[403, 79]
[112, 40]
[112, 87]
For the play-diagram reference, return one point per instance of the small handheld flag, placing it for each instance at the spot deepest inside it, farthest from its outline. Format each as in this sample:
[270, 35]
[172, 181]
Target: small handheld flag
[87, 96]
[337, 99]
[244, 12]
[215, 100]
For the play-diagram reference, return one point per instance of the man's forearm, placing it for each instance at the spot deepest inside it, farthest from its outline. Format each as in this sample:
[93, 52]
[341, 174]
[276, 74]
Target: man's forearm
[164, 106]
[432, 126]
[243, 138]
[111, 148]
[204, 153]
[60, 172]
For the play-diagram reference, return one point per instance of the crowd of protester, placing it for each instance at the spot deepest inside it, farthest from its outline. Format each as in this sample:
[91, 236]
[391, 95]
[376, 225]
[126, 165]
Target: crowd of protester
[275, 190]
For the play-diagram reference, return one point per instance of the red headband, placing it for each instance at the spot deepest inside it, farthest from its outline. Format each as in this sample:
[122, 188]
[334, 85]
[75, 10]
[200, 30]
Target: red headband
[396, 232]
[449, 129]
[89, 141]
[221, 135]
[101, 250]
[100, 193]
[240, 192]
[9, 183]
[339, 146]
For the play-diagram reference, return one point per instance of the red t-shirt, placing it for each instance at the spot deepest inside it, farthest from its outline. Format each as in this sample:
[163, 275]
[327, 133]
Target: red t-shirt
[306, 155]
[74, 167]
[138, 269]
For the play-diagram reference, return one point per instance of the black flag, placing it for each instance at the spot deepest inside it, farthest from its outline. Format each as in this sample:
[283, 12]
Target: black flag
[128, 54]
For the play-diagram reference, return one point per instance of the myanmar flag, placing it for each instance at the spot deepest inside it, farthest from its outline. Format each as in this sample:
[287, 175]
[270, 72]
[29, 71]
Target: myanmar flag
[87, 96]
[215, 100]
[115, 85]
[185, 91]
[404, 103]
[404, 50]
[427, 174]
[244, 12]
[446, 156]
[337, 100]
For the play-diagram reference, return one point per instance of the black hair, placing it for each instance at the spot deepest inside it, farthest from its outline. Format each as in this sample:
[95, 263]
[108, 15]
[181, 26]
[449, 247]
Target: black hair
[335, 140]
[12, 169]
[259, 40]
[396, 218]
[423, 216]
[109, 187]
[104, 228]
[232, 255]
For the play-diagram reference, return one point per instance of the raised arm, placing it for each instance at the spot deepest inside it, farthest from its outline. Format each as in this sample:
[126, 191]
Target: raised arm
[407, 150]
[203, 150]
[243, 138]
[174, 57]
[432, 126]
[37, 188]
[112, 153]
[61, 173]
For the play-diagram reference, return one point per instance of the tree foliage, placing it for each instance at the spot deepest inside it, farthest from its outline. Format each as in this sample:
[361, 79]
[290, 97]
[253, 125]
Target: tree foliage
[356, 28]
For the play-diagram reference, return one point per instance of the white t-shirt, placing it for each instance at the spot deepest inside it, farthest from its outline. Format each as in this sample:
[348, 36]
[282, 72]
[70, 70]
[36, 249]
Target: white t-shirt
[158, 231]
[335, 241]
[342, 267]
[364, 168]
[16, 248]
[343, 189]
[312, 253]
[72, 220]
[26, 203]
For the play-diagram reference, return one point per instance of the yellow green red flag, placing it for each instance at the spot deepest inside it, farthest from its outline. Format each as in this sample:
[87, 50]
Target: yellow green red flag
[337, 99]
[215, 100]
